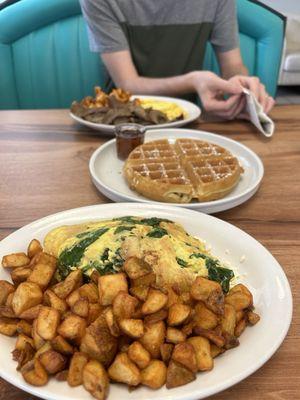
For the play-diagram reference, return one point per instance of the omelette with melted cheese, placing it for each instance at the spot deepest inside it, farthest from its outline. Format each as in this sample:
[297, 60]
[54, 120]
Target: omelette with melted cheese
[172, 110]
[103, 246]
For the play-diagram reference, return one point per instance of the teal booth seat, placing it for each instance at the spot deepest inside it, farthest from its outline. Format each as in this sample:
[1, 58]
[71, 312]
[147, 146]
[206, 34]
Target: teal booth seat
[45, 61]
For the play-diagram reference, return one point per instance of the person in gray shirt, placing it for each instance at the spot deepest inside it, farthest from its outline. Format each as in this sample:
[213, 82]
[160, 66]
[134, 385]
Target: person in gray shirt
[157, 47]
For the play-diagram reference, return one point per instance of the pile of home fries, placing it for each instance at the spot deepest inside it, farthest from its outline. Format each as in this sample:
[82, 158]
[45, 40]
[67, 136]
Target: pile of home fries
[101, 98]
[119, 327]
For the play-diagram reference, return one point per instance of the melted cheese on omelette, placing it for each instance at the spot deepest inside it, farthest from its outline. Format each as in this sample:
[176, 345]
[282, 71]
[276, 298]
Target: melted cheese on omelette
[172, 110]
[172, 253]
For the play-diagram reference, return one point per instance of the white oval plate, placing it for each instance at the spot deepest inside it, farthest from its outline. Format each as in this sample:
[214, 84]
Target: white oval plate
[260, 272]
[106, 171]
[192, 112]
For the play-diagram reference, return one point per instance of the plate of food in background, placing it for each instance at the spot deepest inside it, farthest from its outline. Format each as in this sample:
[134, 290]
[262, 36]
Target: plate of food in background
[184, 167]
[140, 296]
[104, 111]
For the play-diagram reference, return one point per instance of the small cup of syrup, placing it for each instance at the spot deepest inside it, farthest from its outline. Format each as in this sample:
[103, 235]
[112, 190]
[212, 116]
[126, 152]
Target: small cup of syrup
[128, 137]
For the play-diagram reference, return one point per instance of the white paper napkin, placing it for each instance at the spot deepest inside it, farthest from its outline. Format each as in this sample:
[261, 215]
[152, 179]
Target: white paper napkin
[257, 115]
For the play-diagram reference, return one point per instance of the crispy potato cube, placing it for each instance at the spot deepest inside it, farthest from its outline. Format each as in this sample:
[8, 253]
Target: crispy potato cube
[89, 291]
[136, 268]
[139, 355]
[123, 343]
[112, 322]
[81, 308]
[27, 295]
[95, 380]
[175, 336]
[15, 260]
[109, 286]
[215, 350]
[98, 342]
[78, 362]
[53, 301]
[210, 292]
[166, 350]
[178, 375]
[240, 315]
[240, 327]
[47, 322]
[184, 354]
[34, 373]
[154, 375]
[8, 326]
[156, 300]
[42, 274]
[62, 376]
[9, 299]
[31, 313]
[124, 305]
[140, 292]
[62, 346]
[156, 317]
[123, 370]
[94, 312]
[202, 349]
[72, 282]
[22, 340]
[145, 280]
[212, 335]
[20, 274]
[24, 327]
[5, 289]
[173, 297]
[23, 354]
[134, 328]
[37, 339]
[153, 338]
[73, 297]
[6, 311]
[239, 297]
[252, 317]
[72, 328]
[204, 317]
[178, 314]
[34, 248]
[52, 361]
[228, 321]
[45, 347]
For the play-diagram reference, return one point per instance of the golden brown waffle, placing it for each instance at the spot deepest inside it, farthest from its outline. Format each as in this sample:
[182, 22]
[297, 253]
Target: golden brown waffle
[179, 172]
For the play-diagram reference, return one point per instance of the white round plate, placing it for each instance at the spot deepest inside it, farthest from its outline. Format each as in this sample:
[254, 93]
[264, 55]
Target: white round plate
[260, 272]
[106, 171]
[191, 110]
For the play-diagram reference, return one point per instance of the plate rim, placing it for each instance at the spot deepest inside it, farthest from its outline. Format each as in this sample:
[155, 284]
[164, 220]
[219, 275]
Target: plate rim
[164, 208]
[194, 206]
[108, 129]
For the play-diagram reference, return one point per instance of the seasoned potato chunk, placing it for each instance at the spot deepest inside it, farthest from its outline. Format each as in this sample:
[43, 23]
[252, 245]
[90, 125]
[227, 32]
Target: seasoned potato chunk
[136, 268]
[77, 364]
[24, 327]
[178, 375]
[178, 314]
[112, 322]
[153, 338]
[154, 375]
[52, 361]
[139, 355]
[140, 292]
[27, 295]
[15, 260]
[166, 351]
[239, 297]
[210, 292]
[90, 292]
[134, 328]
[31, 313]
[62, 346]
[81, 308]
[37, 339]
[50, 299]
[124, 305]
[156, 300]
[72, 328]
[72, 282]
[109, 286]
[5, 289]
[22, 340]
[8, 326]
[175, 336]
[123, 370]
[34, 248]
[228, 320]
[34, 373]
[41, 274]
[184, 354]
[95, 380]
[202, 349]
[204, 317]
[47, 322]
[20, 274]
[252, 317]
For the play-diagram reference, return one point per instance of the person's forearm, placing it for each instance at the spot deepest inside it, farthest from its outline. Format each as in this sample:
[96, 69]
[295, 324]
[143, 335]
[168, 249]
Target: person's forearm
[228, 71]
[172, 86]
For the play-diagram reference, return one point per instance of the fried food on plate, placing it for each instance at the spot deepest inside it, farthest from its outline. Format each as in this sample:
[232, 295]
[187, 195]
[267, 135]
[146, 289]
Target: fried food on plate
[131, 322]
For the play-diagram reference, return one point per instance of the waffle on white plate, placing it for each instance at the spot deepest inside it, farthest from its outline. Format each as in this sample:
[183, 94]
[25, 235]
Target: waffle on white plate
[180, 172]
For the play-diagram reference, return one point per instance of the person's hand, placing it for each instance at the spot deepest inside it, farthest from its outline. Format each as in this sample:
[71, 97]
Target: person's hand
[257, 88]
[212, 89]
